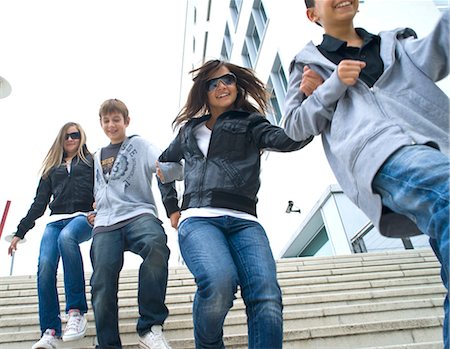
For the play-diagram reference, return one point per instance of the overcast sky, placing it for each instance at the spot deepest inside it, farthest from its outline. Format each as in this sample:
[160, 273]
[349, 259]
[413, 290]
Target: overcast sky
[63, 59]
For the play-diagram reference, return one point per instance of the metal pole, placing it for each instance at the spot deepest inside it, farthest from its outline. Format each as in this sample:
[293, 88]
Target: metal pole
[5, 213]
[12, 263]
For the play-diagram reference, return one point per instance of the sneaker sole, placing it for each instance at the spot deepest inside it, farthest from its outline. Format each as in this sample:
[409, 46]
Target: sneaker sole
[143, 345]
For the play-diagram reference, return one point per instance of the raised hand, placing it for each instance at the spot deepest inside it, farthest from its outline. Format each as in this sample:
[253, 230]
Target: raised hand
[349, 70]
[310, 81]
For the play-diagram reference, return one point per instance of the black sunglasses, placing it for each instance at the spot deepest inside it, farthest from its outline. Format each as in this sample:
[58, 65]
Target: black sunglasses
[73, 135]
[228, 79]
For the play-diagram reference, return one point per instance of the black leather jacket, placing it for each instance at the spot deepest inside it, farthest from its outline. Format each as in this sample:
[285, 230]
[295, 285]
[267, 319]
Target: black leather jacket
[229, 176]
[71, 192]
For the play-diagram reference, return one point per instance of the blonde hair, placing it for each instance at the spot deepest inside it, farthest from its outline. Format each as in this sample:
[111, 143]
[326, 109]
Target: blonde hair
[55, 155]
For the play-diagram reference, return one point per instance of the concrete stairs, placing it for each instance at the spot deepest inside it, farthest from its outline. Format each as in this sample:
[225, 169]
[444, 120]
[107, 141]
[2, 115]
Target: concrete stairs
[387, 300]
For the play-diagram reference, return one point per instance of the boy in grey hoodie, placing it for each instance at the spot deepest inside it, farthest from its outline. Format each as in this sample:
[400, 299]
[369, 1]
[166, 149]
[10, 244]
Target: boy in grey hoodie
[384, 122]
[127, 220]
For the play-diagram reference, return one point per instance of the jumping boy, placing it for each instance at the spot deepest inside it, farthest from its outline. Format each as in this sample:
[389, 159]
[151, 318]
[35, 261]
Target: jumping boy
[384, 122]
[127, 220]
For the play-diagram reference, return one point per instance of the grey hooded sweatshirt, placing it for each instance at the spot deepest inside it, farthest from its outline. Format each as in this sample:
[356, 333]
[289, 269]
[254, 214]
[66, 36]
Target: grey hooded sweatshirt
[128, 191]
[361, 126]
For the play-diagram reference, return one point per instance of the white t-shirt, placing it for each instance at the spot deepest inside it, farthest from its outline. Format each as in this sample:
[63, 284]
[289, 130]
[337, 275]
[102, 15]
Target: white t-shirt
[202, 135]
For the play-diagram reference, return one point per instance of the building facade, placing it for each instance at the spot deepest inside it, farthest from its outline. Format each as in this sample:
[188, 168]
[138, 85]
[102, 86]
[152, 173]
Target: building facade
[265, 35]
[335, 226]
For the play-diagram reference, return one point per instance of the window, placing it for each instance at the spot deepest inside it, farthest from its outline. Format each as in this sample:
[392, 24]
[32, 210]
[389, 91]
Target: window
[246, 57]
[319, 246]
[442, 5]
[205, 45]
[277, 87]
[226, 45]
[235, 9]
[208, 14]
[255, 31]
[275, 114]
[259, 8]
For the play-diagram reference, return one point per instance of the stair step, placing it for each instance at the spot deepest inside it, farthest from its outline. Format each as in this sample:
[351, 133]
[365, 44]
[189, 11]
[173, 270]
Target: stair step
[351, 302]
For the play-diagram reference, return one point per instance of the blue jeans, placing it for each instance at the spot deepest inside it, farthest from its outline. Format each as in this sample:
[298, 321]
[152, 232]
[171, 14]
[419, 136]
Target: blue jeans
[144, 236]
[61, 239]
[222, 253]
[414, 181]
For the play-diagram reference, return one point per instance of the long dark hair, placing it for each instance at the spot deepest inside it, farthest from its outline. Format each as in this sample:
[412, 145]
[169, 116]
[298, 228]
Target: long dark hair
[248, 86]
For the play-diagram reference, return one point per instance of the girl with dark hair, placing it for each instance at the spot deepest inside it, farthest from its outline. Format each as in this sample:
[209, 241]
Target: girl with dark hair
[222, 134]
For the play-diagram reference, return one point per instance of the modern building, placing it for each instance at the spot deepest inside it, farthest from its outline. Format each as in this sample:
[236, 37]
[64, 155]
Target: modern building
[265, 35]
[335, 226]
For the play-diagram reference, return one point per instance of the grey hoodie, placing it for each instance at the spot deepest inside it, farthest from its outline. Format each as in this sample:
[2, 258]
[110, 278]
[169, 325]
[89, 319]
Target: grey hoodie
[128, 192]
[361, 126]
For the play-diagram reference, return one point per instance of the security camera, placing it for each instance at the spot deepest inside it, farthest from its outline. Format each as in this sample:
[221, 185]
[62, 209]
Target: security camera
[290, 207]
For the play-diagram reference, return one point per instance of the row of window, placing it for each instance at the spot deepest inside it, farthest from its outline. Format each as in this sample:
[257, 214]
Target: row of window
[257, 26]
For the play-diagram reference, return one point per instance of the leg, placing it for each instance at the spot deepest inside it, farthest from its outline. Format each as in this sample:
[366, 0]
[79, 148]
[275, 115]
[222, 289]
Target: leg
[444, 277]
[146, 237]
[76, 231]
[414, 181]
[259, 286]
[107, 261]
[206, 252]
[49, 310]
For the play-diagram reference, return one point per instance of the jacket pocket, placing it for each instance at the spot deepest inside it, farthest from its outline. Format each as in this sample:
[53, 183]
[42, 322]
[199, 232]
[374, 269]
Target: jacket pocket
[232, 173]
[235, 135]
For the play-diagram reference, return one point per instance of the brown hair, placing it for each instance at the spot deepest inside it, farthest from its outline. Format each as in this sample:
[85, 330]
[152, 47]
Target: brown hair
[310, 3]
[113, 106]
[248, 86]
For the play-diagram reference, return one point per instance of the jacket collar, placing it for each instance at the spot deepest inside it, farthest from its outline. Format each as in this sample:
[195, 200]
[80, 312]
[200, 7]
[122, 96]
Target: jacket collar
[311, 54]
[235, 113]
[332, 44]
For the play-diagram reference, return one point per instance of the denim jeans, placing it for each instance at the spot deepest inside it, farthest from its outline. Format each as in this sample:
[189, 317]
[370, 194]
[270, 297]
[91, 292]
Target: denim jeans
[144, 236]
[414, 181]
[222, 253]
[61, 239]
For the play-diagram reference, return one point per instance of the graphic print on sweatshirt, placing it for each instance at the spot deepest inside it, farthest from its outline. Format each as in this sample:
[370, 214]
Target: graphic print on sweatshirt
[125, 165]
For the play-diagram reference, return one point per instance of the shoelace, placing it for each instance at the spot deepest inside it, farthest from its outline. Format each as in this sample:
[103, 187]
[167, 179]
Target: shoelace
[74, 322]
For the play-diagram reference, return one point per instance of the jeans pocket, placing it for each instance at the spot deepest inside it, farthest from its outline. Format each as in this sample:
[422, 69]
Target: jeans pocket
[184, 228]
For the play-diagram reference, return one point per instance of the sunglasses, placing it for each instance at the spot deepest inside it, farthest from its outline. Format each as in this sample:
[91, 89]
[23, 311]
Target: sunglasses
[72, 135]
[227, 79]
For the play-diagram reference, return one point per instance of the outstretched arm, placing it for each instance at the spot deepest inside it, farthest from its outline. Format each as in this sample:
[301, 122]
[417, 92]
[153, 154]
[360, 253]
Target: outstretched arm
[37, 209]
[169, 194]
[305, 115]
[431, 54]
[169, 171]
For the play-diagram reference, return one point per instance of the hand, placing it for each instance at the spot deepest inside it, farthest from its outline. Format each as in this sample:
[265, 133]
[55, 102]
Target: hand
[349, 70]
[310, 81]
[13, 247]
[91, 218]
[159, 172]
[174, 218]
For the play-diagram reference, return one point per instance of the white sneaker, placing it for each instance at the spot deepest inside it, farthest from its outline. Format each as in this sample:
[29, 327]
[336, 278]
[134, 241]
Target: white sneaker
[76, 326]
[154, 339]
[47, 341]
